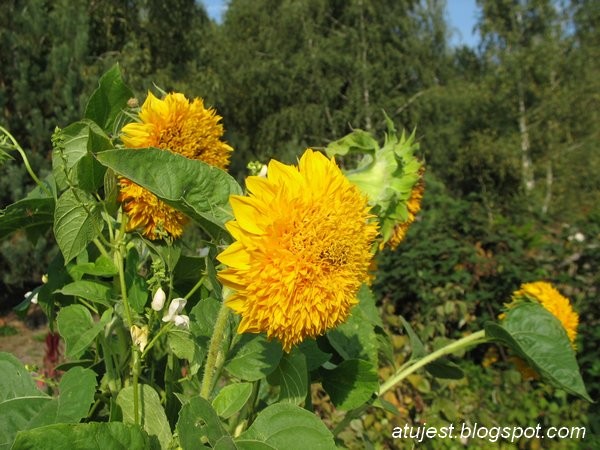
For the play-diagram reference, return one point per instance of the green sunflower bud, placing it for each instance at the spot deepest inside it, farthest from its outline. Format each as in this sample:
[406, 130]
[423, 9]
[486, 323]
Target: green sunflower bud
[391, 176]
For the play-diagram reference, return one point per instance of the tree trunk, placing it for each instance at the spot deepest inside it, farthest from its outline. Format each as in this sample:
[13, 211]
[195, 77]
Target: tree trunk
[526, 164]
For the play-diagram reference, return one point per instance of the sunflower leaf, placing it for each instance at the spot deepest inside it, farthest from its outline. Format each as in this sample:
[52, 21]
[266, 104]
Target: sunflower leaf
[77, 222]
[199, 190]
[106, 105]
[351, 384]
[198, 421]
[539, 338]
[288, 426]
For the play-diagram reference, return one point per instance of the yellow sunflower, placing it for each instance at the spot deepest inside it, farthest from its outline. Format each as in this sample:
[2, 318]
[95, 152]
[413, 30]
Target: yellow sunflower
[552, 300]
[303, 247]
[413, 206]
[181, 126]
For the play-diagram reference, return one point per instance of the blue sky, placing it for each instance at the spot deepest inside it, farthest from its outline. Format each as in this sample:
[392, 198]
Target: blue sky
[462, 16]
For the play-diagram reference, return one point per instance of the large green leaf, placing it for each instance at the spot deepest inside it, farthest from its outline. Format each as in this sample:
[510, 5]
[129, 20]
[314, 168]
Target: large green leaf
[16, 415]
[315, 357]
[351, 384]
[109, 100]
[539, 338]
[72, 160]
[77, 388]
[231, 399]
[86, 436]
[287, 426]
[152, 414]
[102, 267]
[77, 328]
[183, 345]
[93, 291]
[203, 317]
[24, 407]
[32, 214]
[15, 380]
[198, 189]
[253, 357]
[77, 222]
[199, 421]
[292, 377]
[355, 338]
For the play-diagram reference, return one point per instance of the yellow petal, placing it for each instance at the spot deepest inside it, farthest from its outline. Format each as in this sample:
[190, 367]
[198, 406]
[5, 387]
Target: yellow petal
[235, 256]
[247, 214]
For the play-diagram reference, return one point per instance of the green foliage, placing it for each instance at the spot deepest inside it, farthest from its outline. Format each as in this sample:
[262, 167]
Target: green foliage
[299, 73]
[86, 436]
[27, 408]
[194, 187]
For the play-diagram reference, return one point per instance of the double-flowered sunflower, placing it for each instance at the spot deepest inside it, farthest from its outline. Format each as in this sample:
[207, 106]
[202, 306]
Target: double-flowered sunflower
[303, 246]
[180, 126]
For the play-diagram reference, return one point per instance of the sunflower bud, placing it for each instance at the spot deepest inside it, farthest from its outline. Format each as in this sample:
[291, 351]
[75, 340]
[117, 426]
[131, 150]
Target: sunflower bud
[158, 301]
[390, 176]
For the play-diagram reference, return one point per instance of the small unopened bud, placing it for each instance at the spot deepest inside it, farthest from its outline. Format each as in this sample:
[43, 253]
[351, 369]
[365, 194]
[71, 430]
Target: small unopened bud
[133, 102]
[158, 301]
[139, 336]
[176, 306]
[45, 278]
[182, 321]
[263, 171]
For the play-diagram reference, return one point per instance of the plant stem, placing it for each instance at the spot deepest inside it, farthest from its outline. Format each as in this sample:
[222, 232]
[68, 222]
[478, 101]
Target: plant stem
[472, 339]
[213, 361]
[136, 367]
[26, 161]
[196, 287]
[100, 247]
[162, 331]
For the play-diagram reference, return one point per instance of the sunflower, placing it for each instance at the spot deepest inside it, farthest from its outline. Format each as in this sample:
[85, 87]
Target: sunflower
[413, 206]
[183, 127]
[303, 240]
[552, 300]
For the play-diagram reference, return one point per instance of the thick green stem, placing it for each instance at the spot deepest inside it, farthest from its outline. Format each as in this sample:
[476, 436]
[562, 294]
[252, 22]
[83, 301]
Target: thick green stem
[26, 161]
[136, 366]
[472, 339]
[214, 359]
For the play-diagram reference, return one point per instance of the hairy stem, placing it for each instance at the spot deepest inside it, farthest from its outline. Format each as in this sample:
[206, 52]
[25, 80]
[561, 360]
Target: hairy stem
[214, 358]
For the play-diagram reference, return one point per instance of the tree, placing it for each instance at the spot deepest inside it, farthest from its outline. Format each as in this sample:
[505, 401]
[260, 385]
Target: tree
[304, 72]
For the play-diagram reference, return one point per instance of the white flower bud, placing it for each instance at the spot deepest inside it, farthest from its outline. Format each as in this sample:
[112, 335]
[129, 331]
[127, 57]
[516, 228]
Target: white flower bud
[158, 301]
[263, 171]
[182, 321]
[176, 306]
[139, 336]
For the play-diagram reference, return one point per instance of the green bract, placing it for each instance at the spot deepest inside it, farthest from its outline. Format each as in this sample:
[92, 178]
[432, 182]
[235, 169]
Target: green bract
[387, 175]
